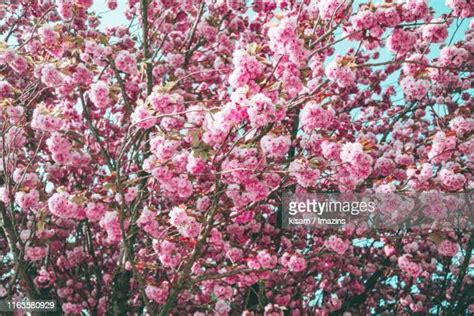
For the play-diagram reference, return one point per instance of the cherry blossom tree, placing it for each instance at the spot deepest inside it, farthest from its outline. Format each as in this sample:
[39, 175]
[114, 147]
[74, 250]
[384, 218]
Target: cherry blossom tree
[142, 165]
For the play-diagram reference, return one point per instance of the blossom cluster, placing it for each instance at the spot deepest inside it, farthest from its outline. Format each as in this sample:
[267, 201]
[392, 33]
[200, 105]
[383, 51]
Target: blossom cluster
[143, 164]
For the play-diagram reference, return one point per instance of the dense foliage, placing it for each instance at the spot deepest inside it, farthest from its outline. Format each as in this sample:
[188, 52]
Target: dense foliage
[142, 165]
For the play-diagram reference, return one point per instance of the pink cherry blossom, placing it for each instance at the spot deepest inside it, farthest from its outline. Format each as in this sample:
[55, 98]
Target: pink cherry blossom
[261, 110]
[452, 181]
[111, 225]
[275, 146]
[297, 263]
[313, 116]
[448, 248]
[126, 62]
[442, 147]
[461, 125]
[405, 263]
[100, 94]
[401, 41]
[414, 89]
[452, 56]
[337, 245]
[158, 294]
[266, 260]
[27, 200]
[285, 42]
[305, 175]
[246, 69]
[461, 8]
[51, 76]
[331, 8]
[36, 253]
[147, 153]
[95, 211]
[340, 74]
